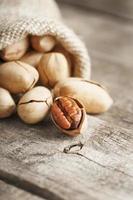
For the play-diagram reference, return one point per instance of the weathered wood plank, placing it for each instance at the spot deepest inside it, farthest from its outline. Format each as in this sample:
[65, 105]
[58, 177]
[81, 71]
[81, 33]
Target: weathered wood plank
[110, 43]
[55, 166]
[105, 36]
[120, 8]
[10, 192]
[120, 88]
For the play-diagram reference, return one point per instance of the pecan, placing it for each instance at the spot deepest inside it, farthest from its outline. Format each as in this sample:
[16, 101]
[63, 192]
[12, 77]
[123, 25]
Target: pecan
[66, 113]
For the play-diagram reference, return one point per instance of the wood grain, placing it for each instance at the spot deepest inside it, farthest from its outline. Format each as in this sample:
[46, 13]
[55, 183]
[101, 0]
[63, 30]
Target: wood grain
[47, 163]
[8, 191]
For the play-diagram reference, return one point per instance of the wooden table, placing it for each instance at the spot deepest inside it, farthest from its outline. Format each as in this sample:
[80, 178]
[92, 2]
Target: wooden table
[37, 162]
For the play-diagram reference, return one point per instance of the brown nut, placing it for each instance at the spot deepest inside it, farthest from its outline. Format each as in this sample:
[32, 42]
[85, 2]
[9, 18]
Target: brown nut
[34, 105]
[43, 43]
[17, 77]
[15, 51]
[7, 104]
[52, 68]
[69, 115]
[32, 58]
[93, 96]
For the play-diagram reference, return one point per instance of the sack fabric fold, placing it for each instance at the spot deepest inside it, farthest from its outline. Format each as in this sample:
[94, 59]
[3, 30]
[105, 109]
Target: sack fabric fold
[19, 18]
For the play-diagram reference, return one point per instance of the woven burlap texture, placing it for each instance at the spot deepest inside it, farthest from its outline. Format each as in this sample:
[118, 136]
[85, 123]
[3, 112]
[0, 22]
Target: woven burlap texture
[20, 18]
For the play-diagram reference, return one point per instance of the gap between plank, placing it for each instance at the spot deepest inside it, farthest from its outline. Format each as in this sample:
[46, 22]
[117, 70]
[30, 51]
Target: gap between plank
[27, 186]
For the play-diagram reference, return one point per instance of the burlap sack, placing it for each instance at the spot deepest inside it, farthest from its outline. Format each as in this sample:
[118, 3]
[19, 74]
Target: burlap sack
[18, 18]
